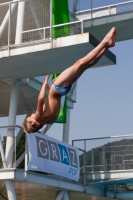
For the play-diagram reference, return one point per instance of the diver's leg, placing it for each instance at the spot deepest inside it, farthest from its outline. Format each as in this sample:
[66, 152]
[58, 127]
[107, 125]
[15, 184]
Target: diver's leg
[91, 64]
[72, 73]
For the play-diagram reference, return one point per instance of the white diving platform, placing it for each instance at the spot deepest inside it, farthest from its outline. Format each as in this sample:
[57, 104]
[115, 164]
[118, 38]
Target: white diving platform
[22, 62]
[37, 59]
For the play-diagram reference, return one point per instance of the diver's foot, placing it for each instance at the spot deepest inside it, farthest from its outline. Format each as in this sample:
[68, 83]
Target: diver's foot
[110, 38]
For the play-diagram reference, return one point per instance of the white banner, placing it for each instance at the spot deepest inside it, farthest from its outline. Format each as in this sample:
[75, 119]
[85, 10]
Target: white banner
[52, 156]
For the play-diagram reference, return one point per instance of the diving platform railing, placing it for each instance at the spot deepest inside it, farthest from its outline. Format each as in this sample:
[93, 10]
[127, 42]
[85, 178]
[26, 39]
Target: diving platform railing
[107, 154]
[26, 22]
[28, 36]
[109, 164]
[102, 11]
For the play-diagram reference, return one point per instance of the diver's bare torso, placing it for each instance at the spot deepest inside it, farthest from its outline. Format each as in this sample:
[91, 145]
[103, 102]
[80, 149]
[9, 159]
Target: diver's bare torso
[51, 107]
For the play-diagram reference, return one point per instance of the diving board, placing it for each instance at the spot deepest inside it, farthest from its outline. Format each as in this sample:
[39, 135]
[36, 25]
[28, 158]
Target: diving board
[39, 58]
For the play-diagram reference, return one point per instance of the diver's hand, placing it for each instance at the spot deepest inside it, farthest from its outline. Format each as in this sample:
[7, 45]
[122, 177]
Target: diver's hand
[46, 82]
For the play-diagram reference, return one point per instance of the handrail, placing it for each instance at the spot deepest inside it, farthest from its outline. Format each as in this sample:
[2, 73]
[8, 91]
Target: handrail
[12, 2]
[11, 126]
[125, 151]
[49, 27]
[103, 7]
[103, 137]
[54, 26]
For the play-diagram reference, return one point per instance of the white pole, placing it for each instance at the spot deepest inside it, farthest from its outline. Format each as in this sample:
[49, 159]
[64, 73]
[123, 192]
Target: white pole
[5, 20]
[74, 7]
[9, 26]
[20, 22]
[26, 153]
[66, 127]
[51, 13]
[10, 136]
[91, 14]
[2, 153]
[10, 190]
[65, 196]
[12, 122]
[59, 195]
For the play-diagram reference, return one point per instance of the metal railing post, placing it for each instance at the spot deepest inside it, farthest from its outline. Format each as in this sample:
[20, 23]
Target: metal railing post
[2, 153]
[82, 29]
[84, 162]
[15, 148]
[26, 154]
[44, 33]
[106, 164]
[20, 22]
[103, 159]
[91, 13]
[92, 160]
[51, 24]
[112, 166]
[114, 160]
[9, 25]
[123, 164]
[109, 10]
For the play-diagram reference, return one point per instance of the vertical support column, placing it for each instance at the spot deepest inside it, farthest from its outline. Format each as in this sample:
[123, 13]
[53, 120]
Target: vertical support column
[59, 195]
[10, 190]
[65, 196]
[9, 25]
[71, 98]
[20, 22]
[66, 127]
[91, 13]
[51, 14]
[74, 7]
[26, 153]
[82, 27]
[10, 136]
[6, 18]
[2, 153]
[12, 122]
